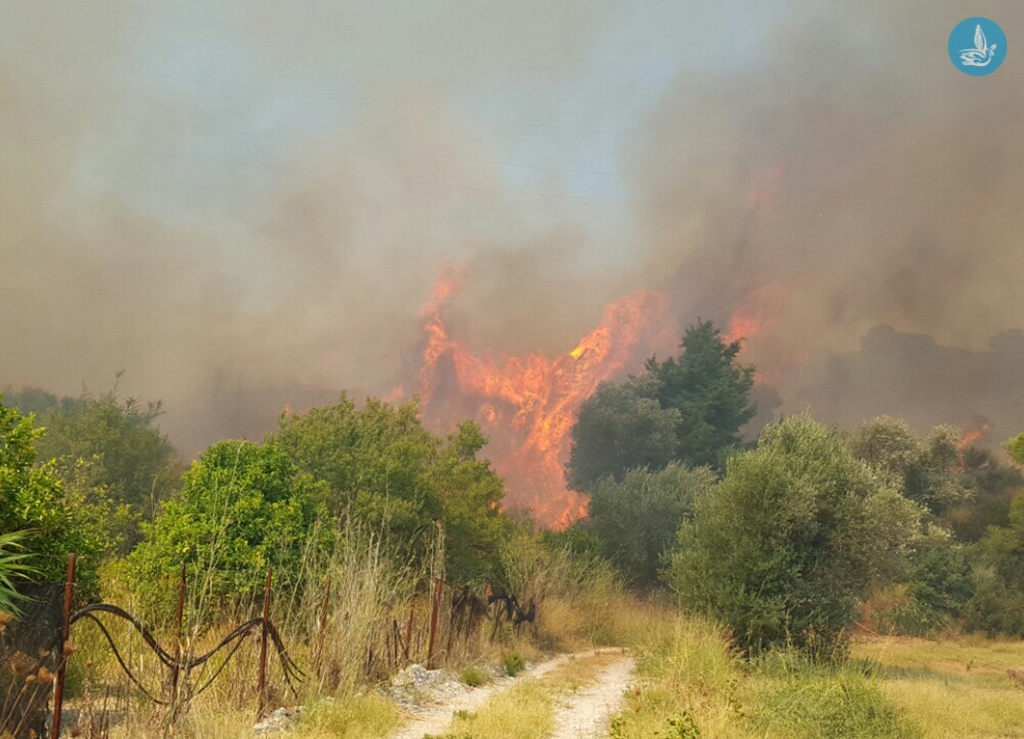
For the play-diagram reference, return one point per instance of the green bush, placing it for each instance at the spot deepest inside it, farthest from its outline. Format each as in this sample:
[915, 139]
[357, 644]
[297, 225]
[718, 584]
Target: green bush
[807, 701]
[57, 518]
[244, 507]
[636, 520]
[797, 531]
[473, 676]
[514, 663]
[383, 466]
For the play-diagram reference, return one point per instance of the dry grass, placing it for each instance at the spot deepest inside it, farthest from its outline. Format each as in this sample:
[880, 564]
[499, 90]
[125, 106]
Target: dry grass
[962, 687]
[576, 596]
[527, 709]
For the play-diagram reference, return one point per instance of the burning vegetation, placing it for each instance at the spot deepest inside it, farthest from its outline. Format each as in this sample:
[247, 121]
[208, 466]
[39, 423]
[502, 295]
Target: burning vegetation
[527, 405]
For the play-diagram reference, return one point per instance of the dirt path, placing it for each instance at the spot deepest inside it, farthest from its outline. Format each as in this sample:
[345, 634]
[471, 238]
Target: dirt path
[587, 713]
[588, 710]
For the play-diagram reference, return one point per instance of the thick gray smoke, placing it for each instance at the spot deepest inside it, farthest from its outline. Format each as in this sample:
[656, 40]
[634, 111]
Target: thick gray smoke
[842, 176]
[854, 180]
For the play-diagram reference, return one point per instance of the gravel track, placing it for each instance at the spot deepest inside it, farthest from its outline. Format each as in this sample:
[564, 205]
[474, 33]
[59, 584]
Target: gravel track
[582, 715]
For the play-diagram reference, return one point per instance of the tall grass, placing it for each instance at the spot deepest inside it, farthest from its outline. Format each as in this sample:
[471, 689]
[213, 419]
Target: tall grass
[694, 683]
[577, 595]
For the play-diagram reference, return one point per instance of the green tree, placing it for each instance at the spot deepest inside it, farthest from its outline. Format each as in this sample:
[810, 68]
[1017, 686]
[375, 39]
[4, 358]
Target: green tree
[636, 520]
[688, 409]
[991, 487]
[471, 493]
[926, 469]
[710, 391]
[620, 426]
[998, 604]
[996, 607]
[383, 466]
[56, 518]
[243, 507]
[128, 456]
[33, 400]
[795, 533]
[1015, 448]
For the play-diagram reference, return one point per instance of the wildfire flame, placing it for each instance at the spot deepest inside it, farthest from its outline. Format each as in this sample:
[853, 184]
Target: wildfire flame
[527, 405]
[980, 432]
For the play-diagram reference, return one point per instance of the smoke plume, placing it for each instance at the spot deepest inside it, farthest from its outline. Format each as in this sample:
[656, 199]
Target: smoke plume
[247, 207]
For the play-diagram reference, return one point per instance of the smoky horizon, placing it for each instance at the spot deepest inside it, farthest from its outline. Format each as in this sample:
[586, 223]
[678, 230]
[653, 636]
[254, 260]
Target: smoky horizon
[250, 209]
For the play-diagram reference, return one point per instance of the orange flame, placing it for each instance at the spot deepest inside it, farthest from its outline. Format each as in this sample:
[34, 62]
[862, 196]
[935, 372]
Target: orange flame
[761, 308]
[527, 405]
[980, 432]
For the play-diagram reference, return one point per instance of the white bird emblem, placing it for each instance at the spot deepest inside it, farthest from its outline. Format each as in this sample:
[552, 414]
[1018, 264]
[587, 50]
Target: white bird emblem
[981, 55]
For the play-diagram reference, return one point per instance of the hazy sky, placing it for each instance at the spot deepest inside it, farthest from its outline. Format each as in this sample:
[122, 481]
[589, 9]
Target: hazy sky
[232, 197]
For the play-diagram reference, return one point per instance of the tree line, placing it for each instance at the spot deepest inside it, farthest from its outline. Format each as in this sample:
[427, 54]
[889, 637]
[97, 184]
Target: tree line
[790, 539]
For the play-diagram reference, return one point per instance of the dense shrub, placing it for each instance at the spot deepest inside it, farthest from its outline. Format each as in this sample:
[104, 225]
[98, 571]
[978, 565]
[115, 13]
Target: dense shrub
[795, 533]
[243, 507]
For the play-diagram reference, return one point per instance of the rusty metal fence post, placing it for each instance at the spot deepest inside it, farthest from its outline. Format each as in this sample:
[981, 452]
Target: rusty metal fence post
[262, 685]
[58, 690]
[179, 618]
[434, 609]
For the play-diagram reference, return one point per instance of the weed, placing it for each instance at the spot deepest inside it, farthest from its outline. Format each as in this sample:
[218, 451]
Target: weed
[514, 663]
[473, 676]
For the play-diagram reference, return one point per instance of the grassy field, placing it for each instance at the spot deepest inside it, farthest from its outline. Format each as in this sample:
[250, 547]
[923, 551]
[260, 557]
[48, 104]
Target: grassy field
[966, 687]
[693, 685]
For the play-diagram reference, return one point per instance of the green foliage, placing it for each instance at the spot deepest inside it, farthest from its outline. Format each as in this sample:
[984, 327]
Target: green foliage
[30, 400]
[807, 701]
[998, 602]
[992, 486]
[58, 518]
[687, 409]
[14, 565]
[711, 393]
[997, 608]
[942, 574]
[926, 469]
[795, 533]
[473, 676]
[636, 520]
[1015, 448]
[619, 427]
[383, 466]
[513, 663]
[578, 540]
[130, 458]
[243, 507]
[683, 726]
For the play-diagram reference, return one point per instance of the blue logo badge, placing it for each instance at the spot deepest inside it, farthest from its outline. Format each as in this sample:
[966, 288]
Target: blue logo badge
[977, 46]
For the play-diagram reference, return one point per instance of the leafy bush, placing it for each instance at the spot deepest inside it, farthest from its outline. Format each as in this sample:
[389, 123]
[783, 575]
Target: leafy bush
[383, 466]
[129, 457]
[636, 520]
[14, 566]
[57, 518]
[244, 507]
[796, 532]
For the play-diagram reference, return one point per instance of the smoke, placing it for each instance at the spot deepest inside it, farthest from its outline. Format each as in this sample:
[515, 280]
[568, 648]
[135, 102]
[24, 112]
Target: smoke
[246, 206]
[248, 209]
[853, 180]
